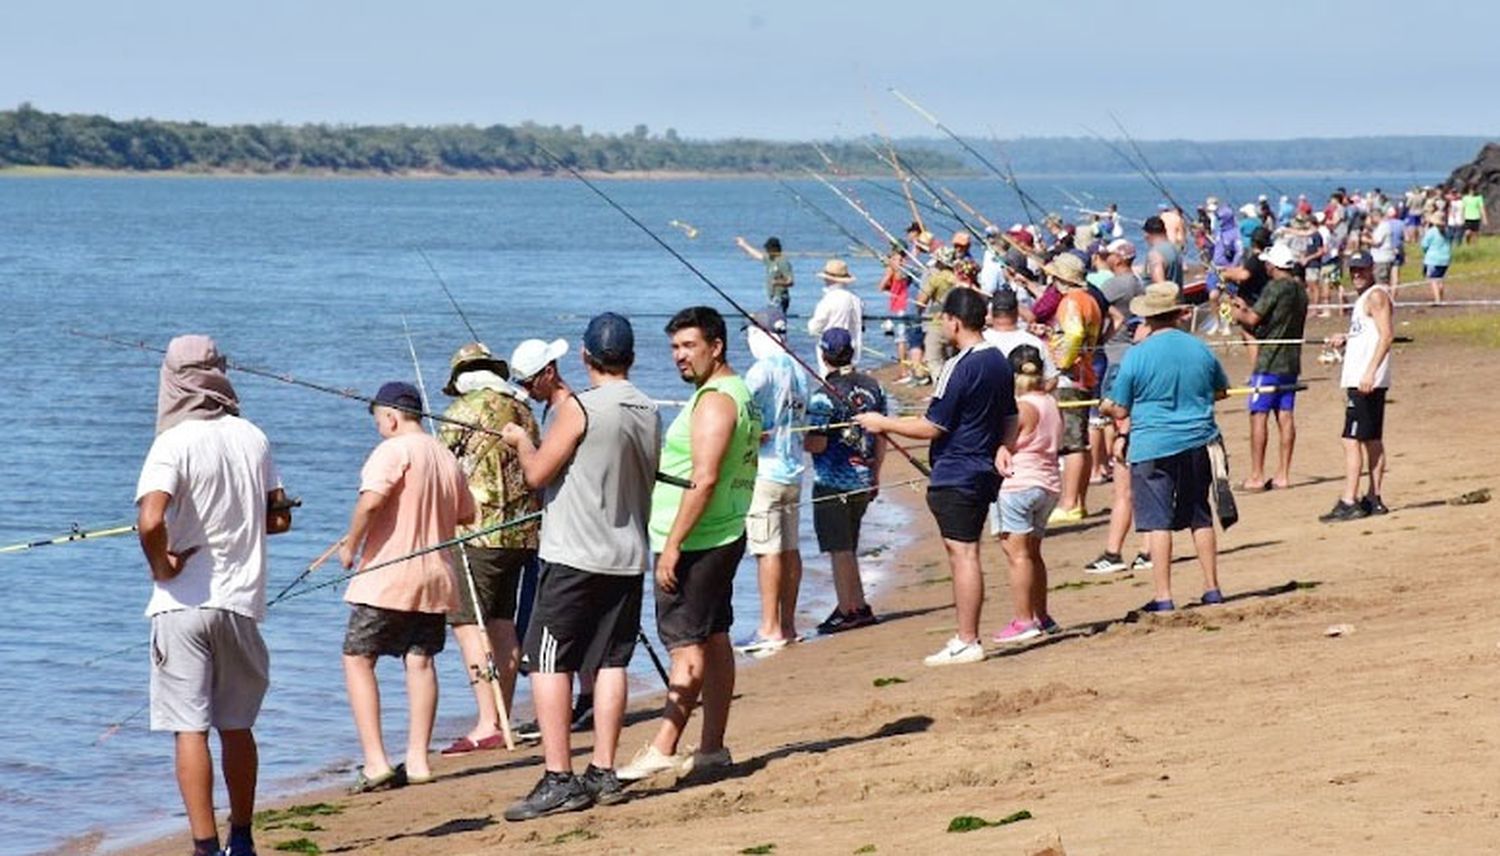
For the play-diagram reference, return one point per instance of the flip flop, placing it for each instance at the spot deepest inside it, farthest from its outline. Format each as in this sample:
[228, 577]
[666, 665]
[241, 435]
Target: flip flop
[389, 780]
[421, 780]
[463, 745]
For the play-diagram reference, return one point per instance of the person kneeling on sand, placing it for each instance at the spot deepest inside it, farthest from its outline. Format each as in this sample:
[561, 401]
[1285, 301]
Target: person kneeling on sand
[1167, 386]
[846, 473]
[972, 414]
[698, 533]
[1028, 495]
[412, 495]
[596, 466]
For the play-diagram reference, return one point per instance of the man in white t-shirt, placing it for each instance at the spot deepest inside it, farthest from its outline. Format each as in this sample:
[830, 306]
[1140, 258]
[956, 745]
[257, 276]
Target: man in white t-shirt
[839, 307]
[1005, 333]
[207, 497]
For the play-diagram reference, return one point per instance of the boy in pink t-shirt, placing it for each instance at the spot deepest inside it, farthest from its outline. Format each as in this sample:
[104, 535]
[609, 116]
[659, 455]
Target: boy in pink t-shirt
[412, 495]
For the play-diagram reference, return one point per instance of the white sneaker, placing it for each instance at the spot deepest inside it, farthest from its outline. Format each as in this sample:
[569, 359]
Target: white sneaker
[955, 652]
[706, 763]
[650, 761]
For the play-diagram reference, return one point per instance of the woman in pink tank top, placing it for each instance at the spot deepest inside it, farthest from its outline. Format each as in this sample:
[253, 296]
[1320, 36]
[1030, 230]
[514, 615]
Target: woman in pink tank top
[1028, 494]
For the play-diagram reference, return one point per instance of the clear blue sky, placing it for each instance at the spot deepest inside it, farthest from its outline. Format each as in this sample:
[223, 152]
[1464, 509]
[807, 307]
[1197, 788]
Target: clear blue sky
[773, 68]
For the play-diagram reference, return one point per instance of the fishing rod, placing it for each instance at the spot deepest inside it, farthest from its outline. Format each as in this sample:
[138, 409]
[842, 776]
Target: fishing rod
[491, 672]
[869, 218]
[75, 534]
[829, 218]
[1142, 155]
[1229, 343]
[738, 307]
[1141, 170]
[1026, 199]
[1234, 390]
[952, 212]
[928, 207]
[444, 285]
[306, 572]
[890, 146]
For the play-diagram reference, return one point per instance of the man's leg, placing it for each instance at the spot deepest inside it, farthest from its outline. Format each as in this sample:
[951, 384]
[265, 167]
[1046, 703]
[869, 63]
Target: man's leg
[1075, 480]
[1259, 436]
[1286, 431]
[1021, 576]
[1375, 451]
[610, 692]
[195, 780]
[769, 572]
[1354, 469]
[682, 695]
[791, 586]
[1159, 543]
[488, 722]
[241, 764]
[1121, 512]
[364, 703]
[718, 691]
[507, 649]
[552, 694]
[422, 697]
[1206, 540]
[968, 586]
[846, 583]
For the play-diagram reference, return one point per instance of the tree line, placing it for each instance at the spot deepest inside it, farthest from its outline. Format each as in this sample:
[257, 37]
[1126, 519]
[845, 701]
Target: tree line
[31, 137]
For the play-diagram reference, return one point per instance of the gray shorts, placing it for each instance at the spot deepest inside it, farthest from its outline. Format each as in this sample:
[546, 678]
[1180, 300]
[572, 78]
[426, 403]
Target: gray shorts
[209, 669]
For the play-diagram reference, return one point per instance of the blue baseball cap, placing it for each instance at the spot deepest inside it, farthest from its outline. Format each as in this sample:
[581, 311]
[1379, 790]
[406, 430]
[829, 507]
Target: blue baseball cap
[398, 394]
[837, 345]
[610, 338]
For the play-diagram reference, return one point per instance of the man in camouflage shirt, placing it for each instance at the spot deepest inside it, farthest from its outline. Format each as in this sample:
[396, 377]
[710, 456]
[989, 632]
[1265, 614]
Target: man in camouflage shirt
[484, 397]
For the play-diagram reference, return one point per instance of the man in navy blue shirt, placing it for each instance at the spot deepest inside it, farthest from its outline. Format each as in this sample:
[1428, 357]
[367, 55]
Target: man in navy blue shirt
[972, 414]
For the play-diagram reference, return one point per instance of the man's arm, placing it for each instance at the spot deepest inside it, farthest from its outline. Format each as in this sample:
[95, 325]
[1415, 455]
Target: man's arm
[1156, 268]
[151, 526]
[1379, 306]
[542, 464]
[359, 525]
[713, 423]
[915, 427]
[278, 512]
[750, 251]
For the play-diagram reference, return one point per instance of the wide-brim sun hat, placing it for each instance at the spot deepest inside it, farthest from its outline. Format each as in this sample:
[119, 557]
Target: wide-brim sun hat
[473, 357]
[533, 355]
[1160, 298]
[836, 271]
[1068, 268]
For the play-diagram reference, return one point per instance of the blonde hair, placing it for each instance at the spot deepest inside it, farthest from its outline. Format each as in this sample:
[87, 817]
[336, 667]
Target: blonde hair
[1028, 377]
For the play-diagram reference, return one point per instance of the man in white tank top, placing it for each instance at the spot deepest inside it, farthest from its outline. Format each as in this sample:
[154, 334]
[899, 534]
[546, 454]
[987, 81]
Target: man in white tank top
[1366, 377]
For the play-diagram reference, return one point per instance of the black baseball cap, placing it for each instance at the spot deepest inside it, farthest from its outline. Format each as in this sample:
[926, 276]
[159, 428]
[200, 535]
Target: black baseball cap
[1360, 259]
[398, 394]
[1004, 302]
[610, 338]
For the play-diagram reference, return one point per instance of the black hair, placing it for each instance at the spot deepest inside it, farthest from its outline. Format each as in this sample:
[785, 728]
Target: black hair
[914, 227]
[968, 307]
[705, 318]
[773, 245]
[1154, 226]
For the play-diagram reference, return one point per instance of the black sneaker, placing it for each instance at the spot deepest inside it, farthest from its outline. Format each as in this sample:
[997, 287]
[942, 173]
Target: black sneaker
[527, 731]
[862, 617]
[583, 712]
[1373, 506]
[603, 786]
[833, 623]
[554, 793]
[1344, 511]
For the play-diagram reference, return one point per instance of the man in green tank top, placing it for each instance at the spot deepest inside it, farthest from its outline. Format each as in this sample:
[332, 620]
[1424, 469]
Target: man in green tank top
[698, 534]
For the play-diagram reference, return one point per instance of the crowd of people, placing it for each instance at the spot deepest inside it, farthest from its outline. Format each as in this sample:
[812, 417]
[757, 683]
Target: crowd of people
[1063, 355]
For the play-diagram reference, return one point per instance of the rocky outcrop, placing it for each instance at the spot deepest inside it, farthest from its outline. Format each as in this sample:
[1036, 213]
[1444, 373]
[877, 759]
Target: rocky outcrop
[1483, 172]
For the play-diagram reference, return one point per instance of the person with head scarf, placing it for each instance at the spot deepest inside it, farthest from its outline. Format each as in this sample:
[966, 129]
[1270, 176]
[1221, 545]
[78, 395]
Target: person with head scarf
[207, 497]
[1227, 251]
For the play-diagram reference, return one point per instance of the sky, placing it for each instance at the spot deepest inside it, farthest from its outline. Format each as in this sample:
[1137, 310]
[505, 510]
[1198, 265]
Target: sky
[773, 69]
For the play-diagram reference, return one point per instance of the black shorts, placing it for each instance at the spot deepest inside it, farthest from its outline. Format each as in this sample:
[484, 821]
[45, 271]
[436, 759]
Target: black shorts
[702, 605]
[377, 632]
[582, 621]
[1364, 415]
[837, 520]
[497, 576]
[1473, 225]
[960, 514]
[1171, 493]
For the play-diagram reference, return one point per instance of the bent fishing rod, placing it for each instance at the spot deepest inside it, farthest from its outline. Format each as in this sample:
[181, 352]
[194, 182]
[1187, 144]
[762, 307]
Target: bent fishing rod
[869, 218]
[828, 218]
[738, 307]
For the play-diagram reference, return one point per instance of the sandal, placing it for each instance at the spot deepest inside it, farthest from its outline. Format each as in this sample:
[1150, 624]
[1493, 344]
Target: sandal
[389, 780]
[463, 745]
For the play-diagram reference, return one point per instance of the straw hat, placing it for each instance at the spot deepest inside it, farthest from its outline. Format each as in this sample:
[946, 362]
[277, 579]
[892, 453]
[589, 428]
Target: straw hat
[1068, 268]
[836, 271]
[1160, 299]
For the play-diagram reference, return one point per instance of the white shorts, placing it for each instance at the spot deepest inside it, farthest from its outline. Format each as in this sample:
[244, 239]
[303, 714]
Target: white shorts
[209, 669]
[771, 524]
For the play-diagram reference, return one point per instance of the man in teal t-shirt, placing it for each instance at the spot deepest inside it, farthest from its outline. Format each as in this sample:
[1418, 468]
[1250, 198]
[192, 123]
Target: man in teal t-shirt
[698, 534]
[1167, 387]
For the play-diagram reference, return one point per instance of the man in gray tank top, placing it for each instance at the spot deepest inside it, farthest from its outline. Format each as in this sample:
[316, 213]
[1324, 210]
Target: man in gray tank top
[596, 467]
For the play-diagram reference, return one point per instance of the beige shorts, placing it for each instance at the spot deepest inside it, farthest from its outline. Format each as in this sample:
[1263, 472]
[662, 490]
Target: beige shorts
[771, 524]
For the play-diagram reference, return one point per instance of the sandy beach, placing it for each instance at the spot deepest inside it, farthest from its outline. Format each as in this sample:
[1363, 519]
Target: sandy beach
[1243, 728]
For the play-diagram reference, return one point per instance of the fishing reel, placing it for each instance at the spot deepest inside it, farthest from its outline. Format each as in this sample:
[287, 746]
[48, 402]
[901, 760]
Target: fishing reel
[888, 327]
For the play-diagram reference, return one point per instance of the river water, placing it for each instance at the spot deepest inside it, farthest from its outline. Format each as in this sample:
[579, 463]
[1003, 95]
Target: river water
[313, 277]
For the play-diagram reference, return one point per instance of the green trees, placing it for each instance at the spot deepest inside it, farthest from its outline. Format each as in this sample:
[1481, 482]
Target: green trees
[30, 137]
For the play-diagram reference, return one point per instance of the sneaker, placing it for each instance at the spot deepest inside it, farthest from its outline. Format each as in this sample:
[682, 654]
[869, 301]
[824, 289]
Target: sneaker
[862, 617]
[1142, 562]
[1213, 596]
[1050, 627]
[1344, 511]
[1159, 606]
[554, 793]
[583, 712]
[1018, 631]
[603, 786]
[758, 646]
[527, 731]
[1107, 563]
[707, 763]
[1066, 515]
[956, 652]
[1373, 506]
[648, 762]
[833, 623]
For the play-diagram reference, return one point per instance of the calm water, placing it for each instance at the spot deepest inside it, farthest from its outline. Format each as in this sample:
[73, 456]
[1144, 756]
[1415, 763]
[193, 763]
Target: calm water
[313, 278]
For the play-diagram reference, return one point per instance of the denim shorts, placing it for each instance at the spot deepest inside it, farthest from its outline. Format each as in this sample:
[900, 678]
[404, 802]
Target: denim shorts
[1022, 512]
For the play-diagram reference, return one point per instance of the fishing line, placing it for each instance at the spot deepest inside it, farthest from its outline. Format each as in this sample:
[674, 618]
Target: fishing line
[444, 285]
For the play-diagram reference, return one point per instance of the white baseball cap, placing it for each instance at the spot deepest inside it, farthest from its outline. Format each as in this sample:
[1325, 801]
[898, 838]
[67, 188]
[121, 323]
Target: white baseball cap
[533, 355]
[1279, 256]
